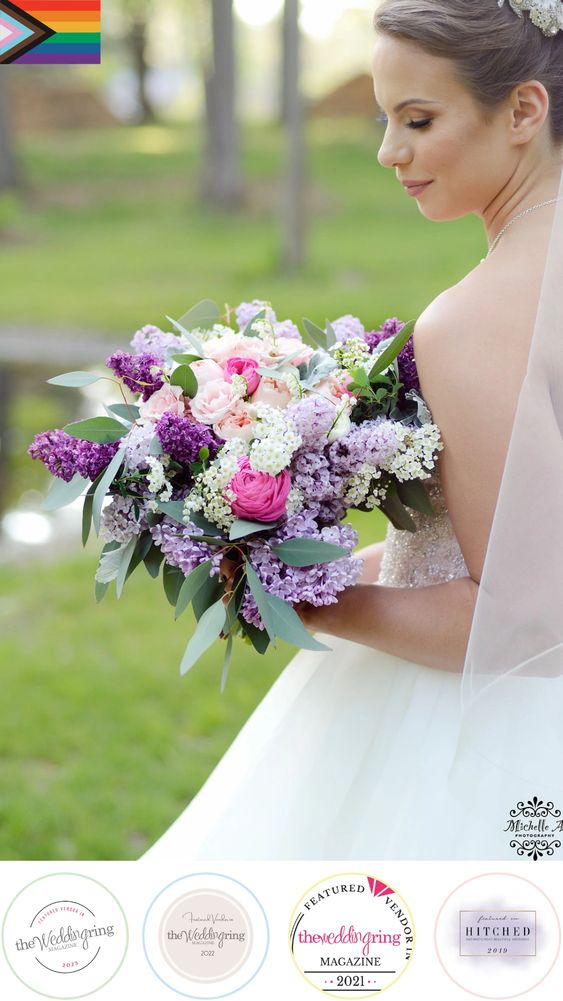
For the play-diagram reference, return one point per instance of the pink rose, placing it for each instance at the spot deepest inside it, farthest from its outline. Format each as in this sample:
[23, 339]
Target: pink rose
[259, 496]
[334, 388]
[245, 367]
[285, 346]
[166, 400]
[214, 401]
[273, 392]
[234, 346]
[237, 424]
[205, 371]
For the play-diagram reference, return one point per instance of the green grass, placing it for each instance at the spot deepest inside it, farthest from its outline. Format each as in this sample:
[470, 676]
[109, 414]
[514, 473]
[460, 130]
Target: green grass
[101, 742]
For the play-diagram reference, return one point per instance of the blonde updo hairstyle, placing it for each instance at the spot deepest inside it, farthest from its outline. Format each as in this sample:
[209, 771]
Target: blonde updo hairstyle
[491, 48]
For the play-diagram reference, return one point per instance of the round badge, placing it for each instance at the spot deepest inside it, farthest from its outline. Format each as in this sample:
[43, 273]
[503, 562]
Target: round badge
[497, 935]
[205, 935]
[351, 935]
[65, 935]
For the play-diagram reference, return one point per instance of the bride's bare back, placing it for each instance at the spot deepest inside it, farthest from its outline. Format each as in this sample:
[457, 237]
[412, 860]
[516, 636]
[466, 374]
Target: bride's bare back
[472, 345]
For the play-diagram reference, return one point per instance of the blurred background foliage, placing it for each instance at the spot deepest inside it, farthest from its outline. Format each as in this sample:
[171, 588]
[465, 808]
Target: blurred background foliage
[220, 150]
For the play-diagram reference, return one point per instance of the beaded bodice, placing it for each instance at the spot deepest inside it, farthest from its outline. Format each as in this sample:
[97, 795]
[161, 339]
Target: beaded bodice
[428, 556]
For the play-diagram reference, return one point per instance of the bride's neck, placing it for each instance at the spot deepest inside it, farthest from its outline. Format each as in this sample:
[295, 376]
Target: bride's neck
[524, 189]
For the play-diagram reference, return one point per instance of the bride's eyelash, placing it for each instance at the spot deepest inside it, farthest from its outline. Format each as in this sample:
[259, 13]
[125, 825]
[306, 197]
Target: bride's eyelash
[411, 125]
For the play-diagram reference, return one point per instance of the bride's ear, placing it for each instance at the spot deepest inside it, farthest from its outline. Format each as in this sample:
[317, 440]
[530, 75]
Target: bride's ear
[529, 108]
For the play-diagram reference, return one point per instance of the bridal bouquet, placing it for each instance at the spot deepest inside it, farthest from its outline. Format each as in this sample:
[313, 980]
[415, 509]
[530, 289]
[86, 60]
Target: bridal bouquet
[239, 445]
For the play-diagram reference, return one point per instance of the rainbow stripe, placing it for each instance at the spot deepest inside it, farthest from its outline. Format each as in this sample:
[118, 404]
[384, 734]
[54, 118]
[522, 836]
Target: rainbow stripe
[76, 27]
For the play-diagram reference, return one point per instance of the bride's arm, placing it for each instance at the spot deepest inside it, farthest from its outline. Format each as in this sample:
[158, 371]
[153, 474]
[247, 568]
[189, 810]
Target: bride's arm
[428, 625]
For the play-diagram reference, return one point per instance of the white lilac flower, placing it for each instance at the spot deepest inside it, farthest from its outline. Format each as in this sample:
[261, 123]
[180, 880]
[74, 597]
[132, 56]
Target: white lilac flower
[275, 442]
[211, 494]
[156, 480]
[138, 444]
[415, 455]
[362, 488]
[353, 353]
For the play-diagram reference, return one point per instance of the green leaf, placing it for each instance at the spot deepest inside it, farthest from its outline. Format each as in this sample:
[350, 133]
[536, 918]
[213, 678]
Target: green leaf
[204, 314]
[75, 380]
[413, 494]
[144, 545]
[128, 411]
[248, 331]
[261, 599]
[331, 337]
[226, 663]
[207, 630]
[102, 430]
[289, 627]
[186, 359]
[153, 560]
[360, 376]
[240, 528]
[100, 591]
[174, 510]
[61, 493]
[211, 540]
[126, 557]
[110, 561]
[172, 579]
[103, 486]
[194, 341]
[155, 447]
[394, 348]
[208, 527]
[87, 513]
[211, 590]
[317, 335]
[192, 583]
[397, 513]
[307, 552]
[185, 377]
[258, 637]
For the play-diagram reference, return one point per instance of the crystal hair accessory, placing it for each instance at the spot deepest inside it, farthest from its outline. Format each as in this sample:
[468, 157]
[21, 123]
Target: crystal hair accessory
[546, 14]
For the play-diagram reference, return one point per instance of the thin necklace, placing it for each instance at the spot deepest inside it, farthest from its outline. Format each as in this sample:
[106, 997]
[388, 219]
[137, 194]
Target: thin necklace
[519, 216]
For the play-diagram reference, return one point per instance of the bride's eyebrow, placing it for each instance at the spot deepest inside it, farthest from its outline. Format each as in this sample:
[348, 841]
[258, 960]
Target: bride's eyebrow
[413, 100]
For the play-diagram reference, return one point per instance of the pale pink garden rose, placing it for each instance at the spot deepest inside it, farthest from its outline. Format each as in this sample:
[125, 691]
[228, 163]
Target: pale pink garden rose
[285, 346]
[214, 401]
[259, 496]
[235, 346]
[245, 367]
[334, 388]
[237, 424]
[206, 371]
[342, 422]
[273, 392]
[167, 400]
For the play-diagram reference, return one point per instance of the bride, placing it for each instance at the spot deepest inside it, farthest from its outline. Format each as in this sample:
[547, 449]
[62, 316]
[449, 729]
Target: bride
[356, 753]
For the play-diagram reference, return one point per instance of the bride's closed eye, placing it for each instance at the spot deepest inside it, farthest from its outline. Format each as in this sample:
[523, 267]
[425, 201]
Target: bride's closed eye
[410, 125]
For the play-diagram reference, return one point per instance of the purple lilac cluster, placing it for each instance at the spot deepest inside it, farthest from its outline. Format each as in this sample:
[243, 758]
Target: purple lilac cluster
[123, 518]
[318, 584]
[348, 326]
[245, 311]
[372, 442]
[313, 418]
[137, 371]
[181, 551]
[156, 341]
[64, 455]
[405, 359]
[182, 438]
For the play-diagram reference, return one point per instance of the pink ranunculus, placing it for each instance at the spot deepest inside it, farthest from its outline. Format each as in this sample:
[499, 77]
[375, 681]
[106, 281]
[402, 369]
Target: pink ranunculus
[245, 367]
[272, 391]
[237, 424]
[205, 371]
[167, 400]
[214, 401]
[235, 346]
[259, 496]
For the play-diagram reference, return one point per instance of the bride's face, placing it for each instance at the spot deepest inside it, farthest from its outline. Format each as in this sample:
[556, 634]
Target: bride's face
[436, 131]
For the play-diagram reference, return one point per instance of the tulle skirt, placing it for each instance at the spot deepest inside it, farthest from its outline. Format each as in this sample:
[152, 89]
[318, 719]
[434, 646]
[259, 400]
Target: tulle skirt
[350, 755]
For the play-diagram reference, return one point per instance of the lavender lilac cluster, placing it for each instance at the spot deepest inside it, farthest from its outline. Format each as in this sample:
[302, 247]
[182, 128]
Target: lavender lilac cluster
[181, 551]
[182, 438]
[64, 456]
[318, 584]
[141, 373]
[156, 341]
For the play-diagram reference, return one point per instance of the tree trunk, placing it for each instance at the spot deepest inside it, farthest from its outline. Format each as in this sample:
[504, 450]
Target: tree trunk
[293, 203]
[138, 43]
[221, 183]
[9, 173]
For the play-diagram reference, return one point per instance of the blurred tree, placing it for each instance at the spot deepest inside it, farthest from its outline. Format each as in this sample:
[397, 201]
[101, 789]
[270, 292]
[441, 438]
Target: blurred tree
[9, 170]
[137, 14]
[293, 202]
[221, 180]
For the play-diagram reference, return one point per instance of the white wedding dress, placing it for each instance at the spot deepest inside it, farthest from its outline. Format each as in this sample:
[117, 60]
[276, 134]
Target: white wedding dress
[348, 755]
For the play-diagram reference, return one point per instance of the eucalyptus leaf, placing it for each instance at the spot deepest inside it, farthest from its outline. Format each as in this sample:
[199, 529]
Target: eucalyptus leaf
[207, 631]
[155, 447]
[174, 510]
[211, 540]
[261, 598]
[102, 430]
[126, 557]
[211, 590]
[288, 625]
[241, 528]
[75, 380]
[127, 411]
[185, 377]
[191, 586]
[110, 561]
[186, 359]
[317, 335]
[153, 560]
[331, 338]
[394, 509]
[396, 345]
[413, 494]
[103, 486]
[172, 580]
[208, 527]
[61, 493]
[143, 547]
[258, 637]
[100, 591]
[248, 331]
[226, 663]
[302, 552]
[204, 314]
[87, 516]
[194, 341]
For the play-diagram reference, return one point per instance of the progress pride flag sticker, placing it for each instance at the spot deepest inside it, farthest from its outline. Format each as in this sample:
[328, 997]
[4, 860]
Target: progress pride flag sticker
[50, 31]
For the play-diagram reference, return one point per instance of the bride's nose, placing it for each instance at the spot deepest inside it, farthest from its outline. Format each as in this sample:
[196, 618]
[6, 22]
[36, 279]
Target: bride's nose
[391, 153]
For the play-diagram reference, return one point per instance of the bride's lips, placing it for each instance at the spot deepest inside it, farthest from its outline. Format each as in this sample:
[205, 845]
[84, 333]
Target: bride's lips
[415, 188]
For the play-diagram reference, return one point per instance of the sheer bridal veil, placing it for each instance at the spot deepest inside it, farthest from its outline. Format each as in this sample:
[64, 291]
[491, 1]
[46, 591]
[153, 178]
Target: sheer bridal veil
[510, 748]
